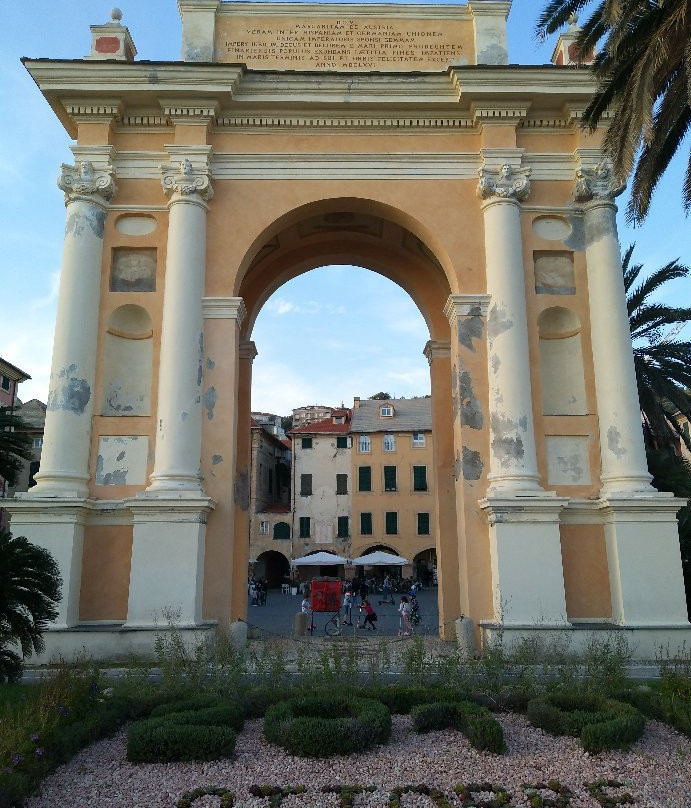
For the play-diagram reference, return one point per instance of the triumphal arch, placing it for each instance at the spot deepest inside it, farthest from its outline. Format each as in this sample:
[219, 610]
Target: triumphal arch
[394, 137]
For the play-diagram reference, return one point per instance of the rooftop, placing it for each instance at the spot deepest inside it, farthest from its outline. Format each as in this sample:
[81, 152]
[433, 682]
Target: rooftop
[410, 415]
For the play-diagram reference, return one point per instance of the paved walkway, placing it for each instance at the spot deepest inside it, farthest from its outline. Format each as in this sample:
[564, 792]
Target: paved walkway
[278, 616]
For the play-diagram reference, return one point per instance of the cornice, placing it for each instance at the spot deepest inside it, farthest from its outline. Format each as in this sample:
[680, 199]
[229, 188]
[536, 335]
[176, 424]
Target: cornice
[475, 305]
[436, 349]
[493, 113]
[364, 121]
[340, 10]
[98, 110]
[224, 308]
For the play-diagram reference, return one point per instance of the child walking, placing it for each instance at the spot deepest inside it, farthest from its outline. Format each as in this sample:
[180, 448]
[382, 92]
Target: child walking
[370, 616]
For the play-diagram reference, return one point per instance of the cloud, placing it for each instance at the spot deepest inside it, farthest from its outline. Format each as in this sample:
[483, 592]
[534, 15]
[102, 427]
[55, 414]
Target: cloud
[279, 305]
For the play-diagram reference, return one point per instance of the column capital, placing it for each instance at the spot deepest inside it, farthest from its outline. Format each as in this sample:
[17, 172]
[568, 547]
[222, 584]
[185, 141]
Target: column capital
[188, 174]
[224, 308]
[596, 183]
[476, 305]
[84, 181]
[437, 349]
[506, 182]
[248, 350]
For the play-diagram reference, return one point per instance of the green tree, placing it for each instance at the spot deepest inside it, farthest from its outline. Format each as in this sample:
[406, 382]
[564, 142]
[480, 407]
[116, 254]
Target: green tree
[15, 444]
[643, 72]
[30, 586]
[663, 366]
[287, 423]
[381, 396]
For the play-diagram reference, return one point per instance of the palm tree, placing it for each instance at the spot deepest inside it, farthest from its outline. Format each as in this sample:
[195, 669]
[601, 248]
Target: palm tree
[15, 445]
[663, 366]
[29, 591]
[644, 78]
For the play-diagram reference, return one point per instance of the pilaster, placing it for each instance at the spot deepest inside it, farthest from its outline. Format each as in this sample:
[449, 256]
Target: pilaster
[198, 29]
[489, 19]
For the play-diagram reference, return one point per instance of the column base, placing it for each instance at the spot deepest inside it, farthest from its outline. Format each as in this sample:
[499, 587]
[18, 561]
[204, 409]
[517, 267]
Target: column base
[167, 567]
[510, 485]
[175, 485]
[644, 559]
[56, 524]
[525, 550]
[58, 484]
[634, 486]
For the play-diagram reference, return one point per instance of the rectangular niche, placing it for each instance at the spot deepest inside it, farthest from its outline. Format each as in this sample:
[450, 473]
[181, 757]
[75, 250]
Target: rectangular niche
[554, 273]
[568, 460]
[122, 459]
[133, 270]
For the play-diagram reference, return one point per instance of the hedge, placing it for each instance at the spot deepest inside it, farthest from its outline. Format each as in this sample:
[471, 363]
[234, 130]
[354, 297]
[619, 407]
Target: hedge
[599, 723]
[475, 722]
[327, 725]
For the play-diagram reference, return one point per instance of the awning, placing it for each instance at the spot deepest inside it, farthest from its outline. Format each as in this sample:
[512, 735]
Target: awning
[380, 559]
[318, 560]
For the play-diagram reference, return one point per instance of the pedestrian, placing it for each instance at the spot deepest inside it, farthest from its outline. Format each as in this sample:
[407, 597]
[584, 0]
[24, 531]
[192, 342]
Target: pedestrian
[370, 616]
[405, 628]
[348, 608]
[388, 597]
[253, 593]
[306, 607]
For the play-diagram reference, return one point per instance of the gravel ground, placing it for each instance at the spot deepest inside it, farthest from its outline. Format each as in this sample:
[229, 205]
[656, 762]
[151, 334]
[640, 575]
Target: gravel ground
[658, 767]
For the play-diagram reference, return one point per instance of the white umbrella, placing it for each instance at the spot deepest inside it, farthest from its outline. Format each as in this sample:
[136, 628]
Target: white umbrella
[379, 559]
[319, 559]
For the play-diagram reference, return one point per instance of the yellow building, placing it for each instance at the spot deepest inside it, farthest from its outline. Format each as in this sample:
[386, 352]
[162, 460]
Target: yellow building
[394, 496]
[393, 137]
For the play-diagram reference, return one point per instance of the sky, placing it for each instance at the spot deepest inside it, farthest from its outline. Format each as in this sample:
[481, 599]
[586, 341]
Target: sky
[325, 319]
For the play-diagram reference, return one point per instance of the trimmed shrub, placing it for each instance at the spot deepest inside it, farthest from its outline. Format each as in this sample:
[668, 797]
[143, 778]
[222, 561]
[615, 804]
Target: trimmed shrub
[183, 705]
[475, 722]
[324, 725]
[257, 700]
[151, 742]
[599, 723]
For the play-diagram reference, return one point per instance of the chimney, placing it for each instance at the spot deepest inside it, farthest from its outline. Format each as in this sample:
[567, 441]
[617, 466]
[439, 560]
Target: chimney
[112, 40]
[356, 402]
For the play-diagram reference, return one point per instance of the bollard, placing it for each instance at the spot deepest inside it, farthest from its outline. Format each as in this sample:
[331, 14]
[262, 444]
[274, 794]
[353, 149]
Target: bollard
[465, 637]
[238, 634]
[301, 622]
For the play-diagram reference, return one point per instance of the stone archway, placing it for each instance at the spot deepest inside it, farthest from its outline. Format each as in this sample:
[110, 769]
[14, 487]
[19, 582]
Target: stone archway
[273, 567]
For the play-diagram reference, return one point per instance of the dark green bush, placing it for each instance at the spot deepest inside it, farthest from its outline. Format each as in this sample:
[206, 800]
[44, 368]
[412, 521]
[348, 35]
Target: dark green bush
[475, 722]
[224, 715]
[183, 705]
[485, 734]
[257, 700]
[327, 725]
[151, 742]
[600, 723]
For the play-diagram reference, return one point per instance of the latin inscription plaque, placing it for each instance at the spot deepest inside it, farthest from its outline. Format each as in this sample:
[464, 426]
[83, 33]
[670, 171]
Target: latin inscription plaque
[344, 43]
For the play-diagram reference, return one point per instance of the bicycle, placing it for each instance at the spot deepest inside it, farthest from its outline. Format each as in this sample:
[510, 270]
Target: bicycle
[333, 626]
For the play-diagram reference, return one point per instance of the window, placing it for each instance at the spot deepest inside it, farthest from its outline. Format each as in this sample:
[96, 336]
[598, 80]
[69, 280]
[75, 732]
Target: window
[419, 478]
[423, 524]
[341, 442]
[38, 442]
[341, 483]
[391, 523]
[263, 528]
[306, 443]
[389, 478]
[282, 530]
[418, 439]
[365, 524]
[342, 527]
[304, 527]
[389, 443]
[386, 411]
[365, 444]
[305, 485]
[364, 478]
[5, 382]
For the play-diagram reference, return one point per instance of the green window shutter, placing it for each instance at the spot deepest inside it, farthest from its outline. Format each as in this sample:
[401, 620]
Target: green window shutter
[342, 527]
[423, 524]
[341, 442]
[281, 530]
[419, 478]
[304, 527]
[341, 483]
[365, 524]
[365, 478]
[391, 523]
[307, 443]
[389, 478]
[305, 485]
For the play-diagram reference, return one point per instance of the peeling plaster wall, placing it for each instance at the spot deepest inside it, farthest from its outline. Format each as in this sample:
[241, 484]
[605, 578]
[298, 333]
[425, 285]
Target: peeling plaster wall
[122, 460]
[568, 460]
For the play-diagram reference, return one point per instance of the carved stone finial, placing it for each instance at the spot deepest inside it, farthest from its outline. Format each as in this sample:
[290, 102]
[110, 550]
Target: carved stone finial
[115, 16]
[506, 182]
[186, 179]
[596, 183]
[573, 19]
[83, 181]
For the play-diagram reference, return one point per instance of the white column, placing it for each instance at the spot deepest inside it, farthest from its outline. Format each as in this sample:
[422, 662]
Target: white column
[622, 450]
[513, 461]
[179, 413]
[67, 436]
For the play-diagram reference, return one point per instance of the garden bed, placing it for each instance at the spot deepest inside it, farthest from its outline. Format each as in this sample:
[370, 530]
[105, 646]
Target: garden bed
[656, 771]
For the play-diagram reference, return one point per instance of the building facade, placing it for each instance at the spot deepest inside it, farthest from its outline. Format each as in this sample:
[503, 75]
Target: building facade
[200, 186]
[394, 494]
[322, 485]
[310, 413]
[10, 379]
